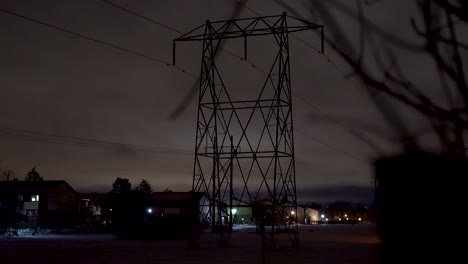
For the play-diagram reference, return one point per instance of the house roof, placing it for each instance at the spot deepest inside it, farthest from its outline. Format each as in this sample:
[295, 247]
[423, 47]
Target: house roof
[32, 186]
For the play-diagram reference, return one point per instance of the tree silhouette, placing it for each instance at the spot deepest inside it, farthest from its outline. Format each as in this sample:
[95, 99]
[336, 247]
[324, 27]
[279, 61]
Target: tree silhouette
[342, 209]
[33, 175]
[8, 175]
[121, 186]
[145, 188]
[127, 209]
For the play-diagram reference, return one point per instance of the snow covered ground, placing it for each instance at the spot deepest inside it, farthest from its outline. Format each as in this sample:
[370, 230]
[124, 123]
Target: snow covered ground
[318, 244]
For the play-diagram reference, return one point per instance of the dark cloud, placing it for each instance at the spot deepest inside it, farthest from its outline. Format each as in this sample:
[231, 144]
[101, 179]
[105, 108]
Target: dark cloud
[57, 83]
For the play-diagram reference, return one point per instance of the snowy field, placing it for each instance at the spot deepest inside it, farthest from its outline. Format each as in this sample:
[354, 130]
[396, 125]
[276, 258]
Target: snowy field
[318, 244]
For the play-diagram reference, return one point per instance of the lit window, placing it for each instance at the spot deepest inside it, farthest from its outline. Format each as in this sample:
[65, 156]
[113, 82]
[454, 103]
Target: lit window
[35, 198]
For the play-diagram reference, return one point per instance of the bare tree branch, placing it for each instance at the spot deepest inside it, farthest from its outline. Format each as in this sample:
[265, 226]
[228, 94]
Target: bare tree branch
[459, 11]
[441, 43]
[8, 175]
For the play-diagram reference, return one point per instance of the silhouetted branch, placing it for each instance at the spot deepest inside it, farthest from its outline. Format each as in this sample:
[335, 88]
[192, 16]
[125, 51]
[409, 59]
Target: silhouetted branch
[459, 11]
[362, 32]
[373, 28]
[444, 65]
[441, 43]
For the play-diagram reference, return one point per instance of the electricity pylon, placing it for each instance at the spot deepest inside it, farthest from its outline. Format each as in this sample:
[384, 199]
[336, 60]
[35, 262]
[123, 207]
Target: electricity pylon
[237, 164]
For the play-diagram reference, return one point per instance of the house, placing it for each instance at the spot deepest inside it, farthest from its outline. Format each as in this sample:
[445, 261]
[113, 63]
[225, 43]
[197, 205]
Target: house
[307, 215]
[175, 210]
[180, 203]
[48, 204]
[94, 209]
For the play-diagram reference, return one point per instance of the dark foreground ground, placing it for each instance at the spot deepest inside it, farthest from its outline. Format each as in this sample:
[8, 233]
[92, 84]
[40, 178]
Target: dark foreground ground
[318, 244]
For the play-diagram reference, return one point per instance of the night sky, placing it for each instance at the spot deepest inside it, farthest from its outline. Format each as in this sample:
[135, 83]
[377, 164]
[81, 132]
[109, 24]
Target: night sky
[55, 83]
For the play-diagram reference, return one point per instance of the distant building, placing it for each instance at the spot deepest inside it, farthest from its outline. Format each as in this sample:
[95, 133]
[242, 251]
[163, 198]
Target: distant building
[307, 215]
[47, 204]
[177, 210]
[94, 209]
[180, 203]
[242, 212]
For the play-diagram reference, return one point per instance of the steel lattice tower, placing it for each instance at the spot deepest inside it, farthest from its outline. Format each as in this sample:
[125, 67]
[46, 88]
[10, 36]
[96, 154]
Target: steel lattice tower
[244, 152]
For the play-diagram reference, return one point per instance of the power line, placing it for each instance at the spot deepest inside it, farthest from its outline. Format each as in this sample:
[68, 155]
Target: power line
[247, 7]
[141, 16]
[318, 111]
[323, 143]
[129, 51]
[84, 139]
[299, 97]
[330, 146]
[237, 56]
[297, 38]
[228, 52]
[159, 23]
[315, 108]
[61, 142]
[83, 142]
[107, 44]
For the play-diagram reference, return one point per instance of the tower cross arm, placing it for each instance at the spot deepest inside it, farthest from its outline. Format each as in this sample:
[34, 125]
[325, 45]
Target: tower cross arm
[246, 27]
